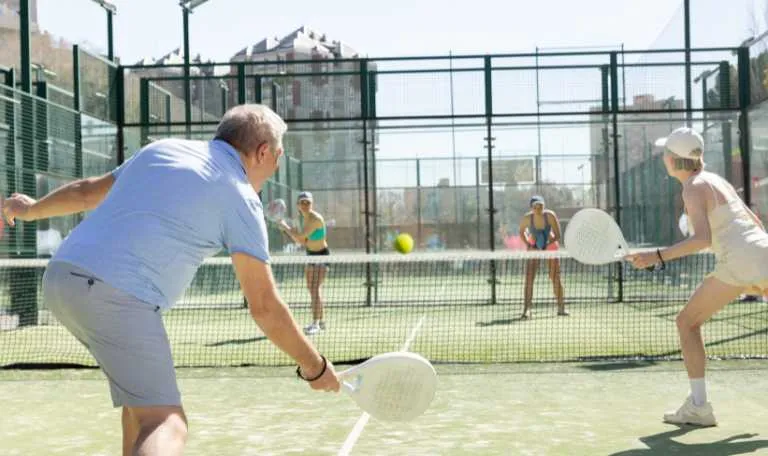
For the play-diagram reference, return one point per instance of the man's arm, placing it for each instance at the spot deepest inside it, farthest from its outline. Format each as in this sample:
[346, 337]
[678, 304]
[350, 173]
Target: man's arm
[271, 314]
[78, 196]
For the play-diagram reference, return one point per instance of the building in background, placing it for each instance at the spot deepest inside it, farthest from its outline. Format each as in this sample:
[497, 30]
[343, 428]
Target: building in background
[295, 76]
[9, 15]
[167, 96]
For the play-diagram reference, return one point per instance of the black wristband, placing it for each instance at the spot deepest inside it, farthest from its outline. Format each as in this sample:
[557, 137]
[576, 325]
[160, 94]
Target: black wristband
[325, 366]
[658, 254]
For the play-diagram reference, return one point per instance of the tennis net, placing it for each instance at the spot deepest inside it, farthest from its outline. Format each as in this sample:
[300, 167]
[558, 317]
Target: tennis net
[458, 306]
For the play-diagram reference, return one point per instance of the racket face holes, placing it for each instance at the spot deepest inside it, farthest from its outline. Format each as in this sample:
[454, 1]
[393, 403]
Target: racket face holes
[405, 393]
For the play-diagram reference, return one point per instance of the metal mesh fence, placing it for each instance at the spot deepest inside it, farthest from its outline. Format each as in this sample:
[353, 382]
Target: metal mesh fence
[468, 306]
[447, 149]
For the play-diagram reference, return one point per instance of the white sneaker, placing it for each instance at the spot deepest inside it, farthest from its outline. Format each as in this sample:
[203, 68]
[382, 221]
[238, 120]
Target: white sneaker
[691, 414]
[311, 329]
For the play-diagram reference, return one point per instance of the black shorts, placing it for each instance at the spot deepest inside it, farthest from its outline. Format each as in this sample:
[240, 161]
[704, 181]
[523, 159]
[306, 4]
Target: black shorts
[323, 252]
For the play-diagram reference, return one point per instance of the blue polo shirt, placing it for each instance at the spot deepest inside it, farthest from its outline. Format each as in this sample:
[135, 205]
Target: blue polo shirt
[173, 204]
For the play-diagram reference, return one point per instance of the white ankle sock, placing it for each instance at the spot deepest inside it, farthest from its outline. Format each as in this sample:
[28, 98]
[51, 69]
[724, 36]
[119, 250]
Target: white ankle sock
[699, 391]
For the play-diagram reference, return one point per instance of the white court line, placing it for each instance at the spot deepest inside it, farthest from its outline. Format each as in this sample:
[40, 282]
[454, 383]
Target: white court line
[354, 434]
[357, 429]
[413, 334]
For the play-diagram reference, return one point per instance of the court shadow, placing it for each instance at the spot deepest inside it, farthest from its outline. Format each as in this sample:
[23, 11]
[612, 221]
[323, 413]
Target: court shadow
[617, 365]
[237, 341]
[714, 343]
[510, 321]
[662, 444]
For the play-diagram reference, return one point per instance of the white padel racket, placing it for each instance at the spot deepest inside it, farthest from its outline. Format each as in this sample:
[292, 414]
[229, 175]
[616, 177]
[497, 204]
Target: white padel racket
[593, 237]
[275, 211]
[397, 386]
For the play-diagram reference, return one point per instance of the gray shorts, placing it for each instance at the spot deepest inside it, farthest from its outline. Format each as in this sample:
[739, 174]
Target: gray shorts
[124, 334]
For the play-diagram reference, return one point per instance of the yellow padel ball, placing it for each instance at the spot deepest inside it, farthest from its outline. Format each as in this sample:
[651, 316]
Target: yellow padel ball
[404, 243]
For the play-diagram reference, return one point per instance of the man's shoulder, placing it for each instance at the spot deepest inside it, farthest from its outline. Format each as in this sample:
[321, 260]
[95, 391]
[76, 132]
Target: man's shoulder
[180, 142]
[173, 149]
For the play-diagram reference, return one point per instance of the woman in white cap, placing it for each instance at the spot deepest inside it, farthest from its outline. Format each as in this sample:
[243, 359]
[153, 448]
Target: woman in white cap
[720, 221]
[312, 235]
[540, 230]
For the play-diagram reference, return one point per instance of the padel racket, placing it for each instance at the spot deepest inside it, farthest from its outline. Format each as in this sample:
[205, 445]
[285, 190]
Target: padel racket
[593, 237]
[275, 211]
[396, 386]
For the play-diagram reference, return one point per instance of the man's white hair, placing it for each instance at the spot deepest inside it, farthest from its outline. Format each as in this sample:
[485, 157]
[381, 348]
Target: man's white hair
[245, 127]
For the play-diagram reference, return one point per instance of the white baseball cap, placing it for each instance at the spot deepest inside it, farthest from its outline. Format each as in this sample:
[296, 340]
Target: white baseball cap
[684, 142]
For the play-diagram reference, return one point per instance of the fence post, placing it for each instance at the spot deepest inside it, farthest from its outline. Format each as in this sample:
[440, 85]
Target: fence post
[745, 100]
[241, 83]
[419, 228]
[25, 47]
[120, 113]
[10, 142]
[724, 87]
[364, 111]
[688, 79]
[144, 110]
[477, 200]
[257, 95]
[616, 167]
[78, 107]
[489, 139]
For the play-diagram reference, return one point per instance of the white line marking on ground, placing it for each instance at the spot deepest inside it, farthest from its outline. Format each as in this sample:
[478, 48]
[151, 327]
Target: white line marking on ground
[413, 333]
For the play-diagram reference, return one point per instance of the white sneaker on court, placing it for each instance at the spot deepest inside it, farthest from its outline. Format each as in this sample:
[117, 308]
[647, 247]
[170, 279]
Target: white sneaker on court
[311, 329]
[692, 414]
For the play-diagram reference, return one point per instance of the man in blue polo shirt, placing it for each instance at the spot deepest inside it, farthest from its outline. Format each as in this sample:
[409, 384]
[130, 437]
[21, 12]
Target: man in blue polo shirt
[155, 219]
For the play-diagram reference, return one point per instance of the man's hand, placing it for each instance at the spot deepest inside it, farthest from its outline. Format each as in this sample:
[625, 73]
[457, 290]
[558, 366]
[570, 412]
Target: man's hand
[17, 207]
[327, 382]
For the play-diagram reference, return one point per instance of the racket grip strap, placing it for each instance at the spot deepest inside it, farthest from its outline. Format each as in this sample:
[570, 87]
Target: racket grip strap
[312, 379]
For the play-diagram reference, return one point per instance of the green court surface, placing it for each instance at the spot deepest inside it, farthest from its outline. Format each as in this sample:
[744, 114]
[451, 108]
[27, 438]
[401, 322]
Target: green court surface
[510, 409]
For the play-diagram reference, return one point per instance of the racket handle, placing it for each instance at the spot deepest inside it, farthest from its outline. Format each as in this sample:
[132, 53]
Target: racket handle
[350, 388]
[351, 383]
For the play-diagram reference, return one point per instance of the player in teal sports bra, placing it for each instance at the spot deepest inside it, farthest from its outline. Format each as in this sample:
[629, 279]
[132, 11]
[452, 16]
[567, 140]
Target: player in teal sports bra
[311, 233]
[316, 235]
[540, 230]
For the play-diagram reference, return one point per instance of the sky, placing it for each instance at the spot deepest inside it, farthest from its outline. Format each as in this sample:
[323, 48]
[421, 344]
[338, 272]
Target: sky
[220, 28]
